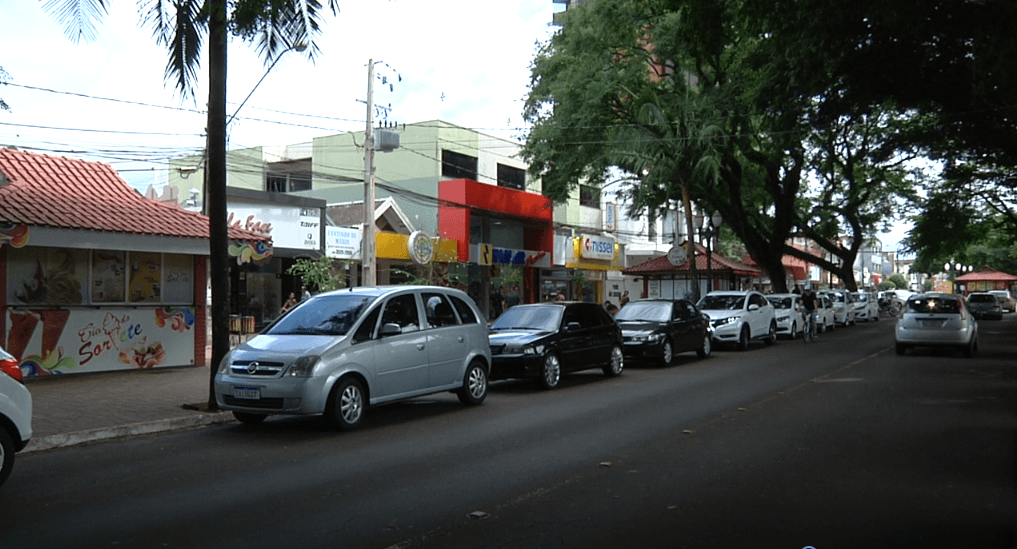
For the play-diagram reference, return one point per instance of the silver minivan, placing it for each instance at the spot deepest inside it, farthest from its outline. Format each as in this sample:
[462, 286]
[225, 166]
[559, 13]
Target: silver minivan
[338, 352]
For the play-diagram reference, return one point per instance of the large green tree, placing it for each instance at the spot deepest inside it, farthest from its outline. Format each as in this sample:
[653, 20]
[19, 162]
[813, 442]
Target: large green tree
[810, 144]
[182, 26]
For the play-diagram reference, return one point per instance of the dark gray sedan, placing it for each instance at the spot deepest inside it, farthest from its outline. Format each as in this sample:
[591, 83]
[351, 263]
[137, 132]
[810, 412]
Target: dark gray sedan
[985, 305]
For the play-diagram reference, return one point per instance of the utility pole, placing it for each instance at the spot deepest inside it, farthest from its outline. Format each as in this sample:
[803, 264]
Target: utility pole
[370, 276]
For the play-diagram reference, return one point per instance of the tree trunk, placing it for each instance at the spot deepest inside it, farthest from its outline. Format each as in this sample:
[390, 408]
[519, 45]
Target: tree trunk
[219, 261]
[691, 248]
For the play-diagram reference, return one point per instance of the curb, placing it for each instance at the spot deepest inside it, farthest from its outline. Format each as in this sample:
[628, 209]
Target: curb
[133, 429]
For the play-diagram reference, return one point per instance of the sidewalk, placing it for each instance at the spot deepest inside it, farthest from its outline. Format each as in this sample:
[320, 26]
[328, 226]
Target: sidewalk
[75, 409]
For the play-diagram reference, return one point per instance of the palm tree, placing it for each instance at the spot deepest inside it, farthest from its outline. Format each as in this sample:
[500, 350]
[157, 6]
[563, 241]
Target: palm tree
[273, 26]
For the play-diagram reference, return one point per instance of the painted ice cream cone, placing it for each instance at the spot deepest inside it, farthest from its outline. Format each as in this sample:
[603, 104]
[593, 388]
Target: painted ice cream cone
[22, 327]
[53, 322]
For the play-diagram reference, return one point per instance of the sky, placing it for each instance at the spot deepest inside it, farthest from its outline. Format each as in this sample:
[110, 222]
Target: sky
[463, 61]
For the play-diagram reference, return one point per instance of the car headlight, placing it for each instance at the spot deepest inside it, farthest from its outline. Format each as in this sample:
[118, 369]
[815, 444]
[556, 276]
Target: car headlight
[728, 320]
[649, 338]
[524, 350]
[224, 364]
[304, 366]
[783, 316]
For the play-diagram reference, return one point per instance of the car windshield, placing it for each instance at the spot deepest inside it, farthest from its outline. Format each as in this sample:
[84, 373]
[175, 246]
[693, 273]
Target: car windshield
[545, 318]
[861, 297]
[637, 310]
[332, 315]
[981, 298]
[839, 298]
[934, 305]
[781, 302]
[721, 302]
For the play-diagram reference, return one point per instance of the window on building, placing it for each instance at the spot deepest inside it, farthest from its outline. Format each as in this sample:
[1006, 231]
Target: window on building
[514, 178]
[458, 166]
[275, 183]
[589, 196]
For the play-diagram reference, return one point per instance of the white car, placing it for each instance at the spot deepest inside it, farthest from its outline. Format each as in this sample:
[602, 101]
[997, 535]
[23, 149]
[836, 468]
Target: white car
[15, 413]
[738, 317]
[826, 317]
[843, 309]
[1006, 300]
[936, 320]
[866, 306]
[340, 352]
[787, 309]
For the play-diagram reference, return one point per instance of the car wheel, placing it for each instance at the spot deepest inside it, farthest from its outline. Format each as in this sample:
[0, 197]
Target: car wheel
[249, 418]
[771, 337]
[474, 389]
[971, 348]
[617, 364]
[743, 339]
[6, 454]
[901, 349]
[667, 353]
[550, 374]
[706, 348]
[794, 330]
[346, 406]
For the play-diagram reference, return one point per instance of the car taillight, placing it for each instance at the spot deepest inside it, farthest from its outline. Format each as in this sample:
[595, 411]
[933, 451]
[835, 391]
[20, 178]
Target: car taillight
[11, 368]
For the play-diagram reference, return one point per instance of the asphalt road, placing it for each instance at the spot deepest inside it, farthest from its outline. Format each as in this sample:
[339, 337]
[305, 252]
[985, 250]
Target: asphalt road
[836, 444]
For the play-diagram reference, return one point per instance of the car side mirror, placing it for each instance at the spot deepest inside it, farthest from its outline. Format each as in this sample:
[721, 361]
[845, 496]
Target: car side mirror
[753, 307]
[572, 326]
[390, 328]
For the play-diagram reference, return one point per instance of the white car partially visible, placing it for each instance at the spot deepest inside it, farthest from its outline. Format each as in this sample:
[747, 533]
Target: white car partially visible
[15, 413]
[738, 317]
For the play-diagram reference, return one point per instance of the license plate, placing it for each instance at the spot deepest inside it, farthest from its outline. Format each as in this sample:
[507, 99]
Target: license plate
[250, 393]
[932, 323]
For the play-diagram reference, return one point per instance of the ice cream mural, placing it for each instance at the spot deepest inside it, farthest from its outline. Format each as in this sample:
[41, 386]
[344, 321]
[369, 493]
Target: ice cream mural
[59, 341]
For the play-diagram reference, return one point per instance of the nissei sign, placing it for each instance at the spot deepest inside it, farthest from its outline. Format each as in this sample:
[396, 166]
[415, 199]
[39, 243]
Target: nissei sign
[595, 247]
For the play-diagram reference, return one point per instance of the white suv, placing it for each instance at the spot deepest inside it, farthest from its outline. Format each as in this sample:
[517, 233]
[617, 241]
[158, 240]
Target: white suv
[738, 317]
[15, 413]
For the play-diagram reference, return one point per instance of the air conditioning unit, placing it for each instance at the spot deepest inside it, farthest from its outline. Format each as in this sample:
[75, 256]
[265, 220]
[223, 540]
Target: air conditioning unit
[386, 140]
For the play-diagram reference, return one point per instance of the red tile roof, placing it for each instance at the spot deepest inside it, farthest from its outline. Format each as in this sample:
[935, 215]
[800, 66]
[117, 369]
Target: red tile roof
[65, 193]
[986, 274]
[661, 265]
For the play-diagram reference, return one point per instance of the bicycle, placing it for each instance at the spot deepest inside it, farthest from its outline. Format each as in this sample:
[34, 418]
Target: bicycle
[810, 327]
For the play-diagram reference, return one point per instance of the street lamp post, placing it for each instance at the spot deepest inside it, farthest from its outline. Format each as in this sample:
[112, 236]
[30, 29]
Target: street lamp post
[709, 229]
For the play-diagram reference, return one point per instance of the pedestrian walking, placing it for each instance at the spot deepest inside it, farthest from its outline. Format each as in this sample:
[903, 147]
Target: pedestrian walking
[513, 298]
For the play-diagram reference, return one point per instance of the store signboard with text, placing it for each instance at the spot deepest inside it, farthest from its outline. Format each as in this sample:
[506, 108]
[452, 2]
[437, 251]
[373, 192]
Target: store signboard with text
[289, 226]
[342, 243]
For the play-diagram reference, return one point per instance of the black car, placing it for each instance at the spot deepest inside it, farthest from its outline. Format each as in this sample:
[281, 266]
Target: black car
[541, 341]
[657, 329]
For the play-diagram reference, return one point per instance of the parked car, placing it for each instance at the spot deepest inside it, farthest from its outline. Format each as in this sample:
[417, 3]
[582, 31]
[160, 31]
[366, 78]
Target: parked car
[1006, 299]
[936, 320]
[787, 310]
[825, 315]
[657, 329]
[740, 316]
[985, 305]
[15, 413]
[542, 341]
[843, 309]
[866, 306]
[339, 352]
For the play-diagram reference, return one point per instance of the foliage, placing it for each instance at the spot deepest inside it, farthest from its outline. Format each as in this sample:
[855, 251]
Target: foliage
[324, 274]
[810, 142]
[450, 274]
[898, 280]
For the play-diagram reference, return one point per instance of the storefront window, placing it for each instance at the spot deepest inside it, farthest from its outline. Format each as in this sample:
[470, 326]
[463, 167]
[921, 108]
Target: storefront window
[145, 278]
[179, 279]
[109, 281]
[46, 276]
